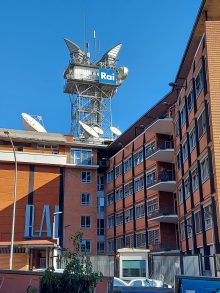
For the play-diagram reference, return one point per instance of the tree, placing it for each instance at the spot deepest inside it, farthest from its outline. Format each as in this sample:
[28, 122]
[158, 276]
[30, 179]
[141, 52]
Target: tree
[78, 275]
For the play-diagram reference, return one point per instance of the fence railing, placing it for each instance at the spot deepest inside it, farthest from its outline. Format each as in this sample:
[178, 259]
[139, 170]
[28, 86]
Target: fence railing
[161, 145]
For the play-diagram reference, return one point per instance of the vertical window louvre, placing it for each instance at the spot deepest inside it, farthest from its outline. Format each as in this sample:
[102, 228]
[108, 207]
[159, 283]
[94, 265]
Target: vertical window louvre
[138, 158]
[151, 178]
[199, 82]
[205, 169]
[195, 180]
[192, 139]
[187, 187]
[153, 237]
[201, 124]
[140, 211]
[198, 225]
[128, 189]
[127, 164]
[189, 227]
[128, 215]
[118, 171]
[208, 217]
[180, 194]
[152, 206]
[139, 184]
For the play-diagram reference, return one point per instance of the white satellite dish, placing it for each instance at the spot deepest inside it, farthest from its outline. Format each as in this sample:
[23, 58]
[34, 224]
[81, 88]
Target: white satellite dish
[89, 129]
[31, 124]
[115, 130]
[98, 130]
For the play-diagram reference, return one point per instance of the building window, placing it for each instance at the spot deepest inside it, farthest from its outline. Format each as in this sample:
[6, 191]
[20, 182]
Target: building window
[182, 231]
[138, 158]
[111, 246]
[54, 148]
[189, 227]
[110, 176]
[100, 247]
[187, 187]
[129, 241]
[86, 177]
[192, 139]
[180, 194]
[198, 225]
[152, 206]
[178, 161]
[118, 194]
[85, 222]
[184, 151]
[153, 237]
[195, 180]
[204, 169]
[151, 178]
[177, 128]
[141, 239]
[134, 268]
[183, 116]
[127, 164]
[110, 199]
[201, 124]
[100, 185]
[189, 101]
[118, 171]
[119, 219]
[119, 243]
[139, 184]
[128, 189]
[199, 82]
[85, 246]
[140, 211]
[100, 227]
[128, 215]
[110, 221]
[86, 199]
[81, 157]
[208, 217]
[149, 149]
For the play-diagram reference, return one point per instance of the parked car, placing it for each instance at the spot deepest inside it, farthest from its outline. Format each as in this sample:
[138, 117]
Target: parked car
[147, 283]
[119, 283]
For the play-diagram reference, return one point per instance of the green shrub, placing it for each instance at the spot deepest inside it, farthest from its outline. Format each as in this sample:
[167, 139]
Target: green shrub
[78, 275]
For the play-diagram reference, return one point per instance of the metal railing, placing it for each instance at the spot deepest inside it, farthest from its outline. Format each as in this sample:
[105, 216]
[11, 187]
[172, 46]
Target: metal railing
[162, 212]
[161, 145]
[163, 176]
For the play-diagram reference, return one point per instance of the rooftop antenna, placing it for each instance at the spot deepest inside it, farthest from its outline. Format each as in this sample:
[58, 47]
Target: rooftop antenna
[94, 37]
[85, 42]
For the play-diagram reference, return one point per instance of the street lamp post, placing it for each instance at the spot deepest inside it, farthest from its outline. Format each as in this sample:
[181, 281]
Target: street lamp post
[14, 202]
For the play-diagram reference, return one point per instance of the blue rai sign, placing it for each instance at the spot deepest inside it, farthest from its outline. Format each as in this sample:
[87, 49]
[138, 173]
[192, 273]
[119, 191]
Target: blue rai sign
[107, 76]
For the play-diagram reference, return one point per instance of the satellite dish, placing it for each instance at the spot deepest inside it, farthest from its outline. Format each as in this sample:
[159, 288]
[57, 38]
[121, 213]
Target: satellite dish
[115, 130]
[31, 124]
[89, 129]
[98, 130]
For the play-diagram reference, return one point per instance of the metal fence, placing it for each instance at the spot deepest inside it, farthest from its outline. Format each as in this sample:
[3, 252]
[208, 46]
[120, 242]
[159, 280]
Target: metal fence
[100, 263]
[166, 266]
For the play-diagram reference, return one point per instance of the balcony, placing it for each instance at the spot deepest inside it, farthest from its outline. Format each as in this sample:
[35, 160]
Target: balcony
[162, 125]
[164, 216]
[162, 152]
[163, 247]
[164, 182]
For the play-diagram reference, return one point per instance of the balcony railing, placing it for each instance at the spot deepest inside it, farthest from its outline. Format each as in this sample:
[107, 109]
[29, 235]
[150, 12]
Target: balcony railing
[164, 216]
[161, 145]
[164, 176]
[163, 246]
[165, 181]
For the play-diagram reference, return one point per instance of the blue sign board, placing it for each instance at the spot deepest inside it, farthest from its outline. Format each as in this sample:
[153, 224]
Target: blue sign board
[199, 286]
[107, 76]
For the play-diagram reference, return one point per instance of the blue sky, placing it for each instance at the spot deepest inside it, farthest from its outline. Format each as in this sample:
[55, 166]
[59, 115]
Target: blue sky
[33, 55]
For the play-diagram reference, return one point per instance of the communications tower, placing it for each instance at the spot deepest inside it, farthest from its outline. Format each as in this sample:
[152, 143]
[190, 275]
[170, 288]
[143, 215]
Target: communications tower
[91, 86]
